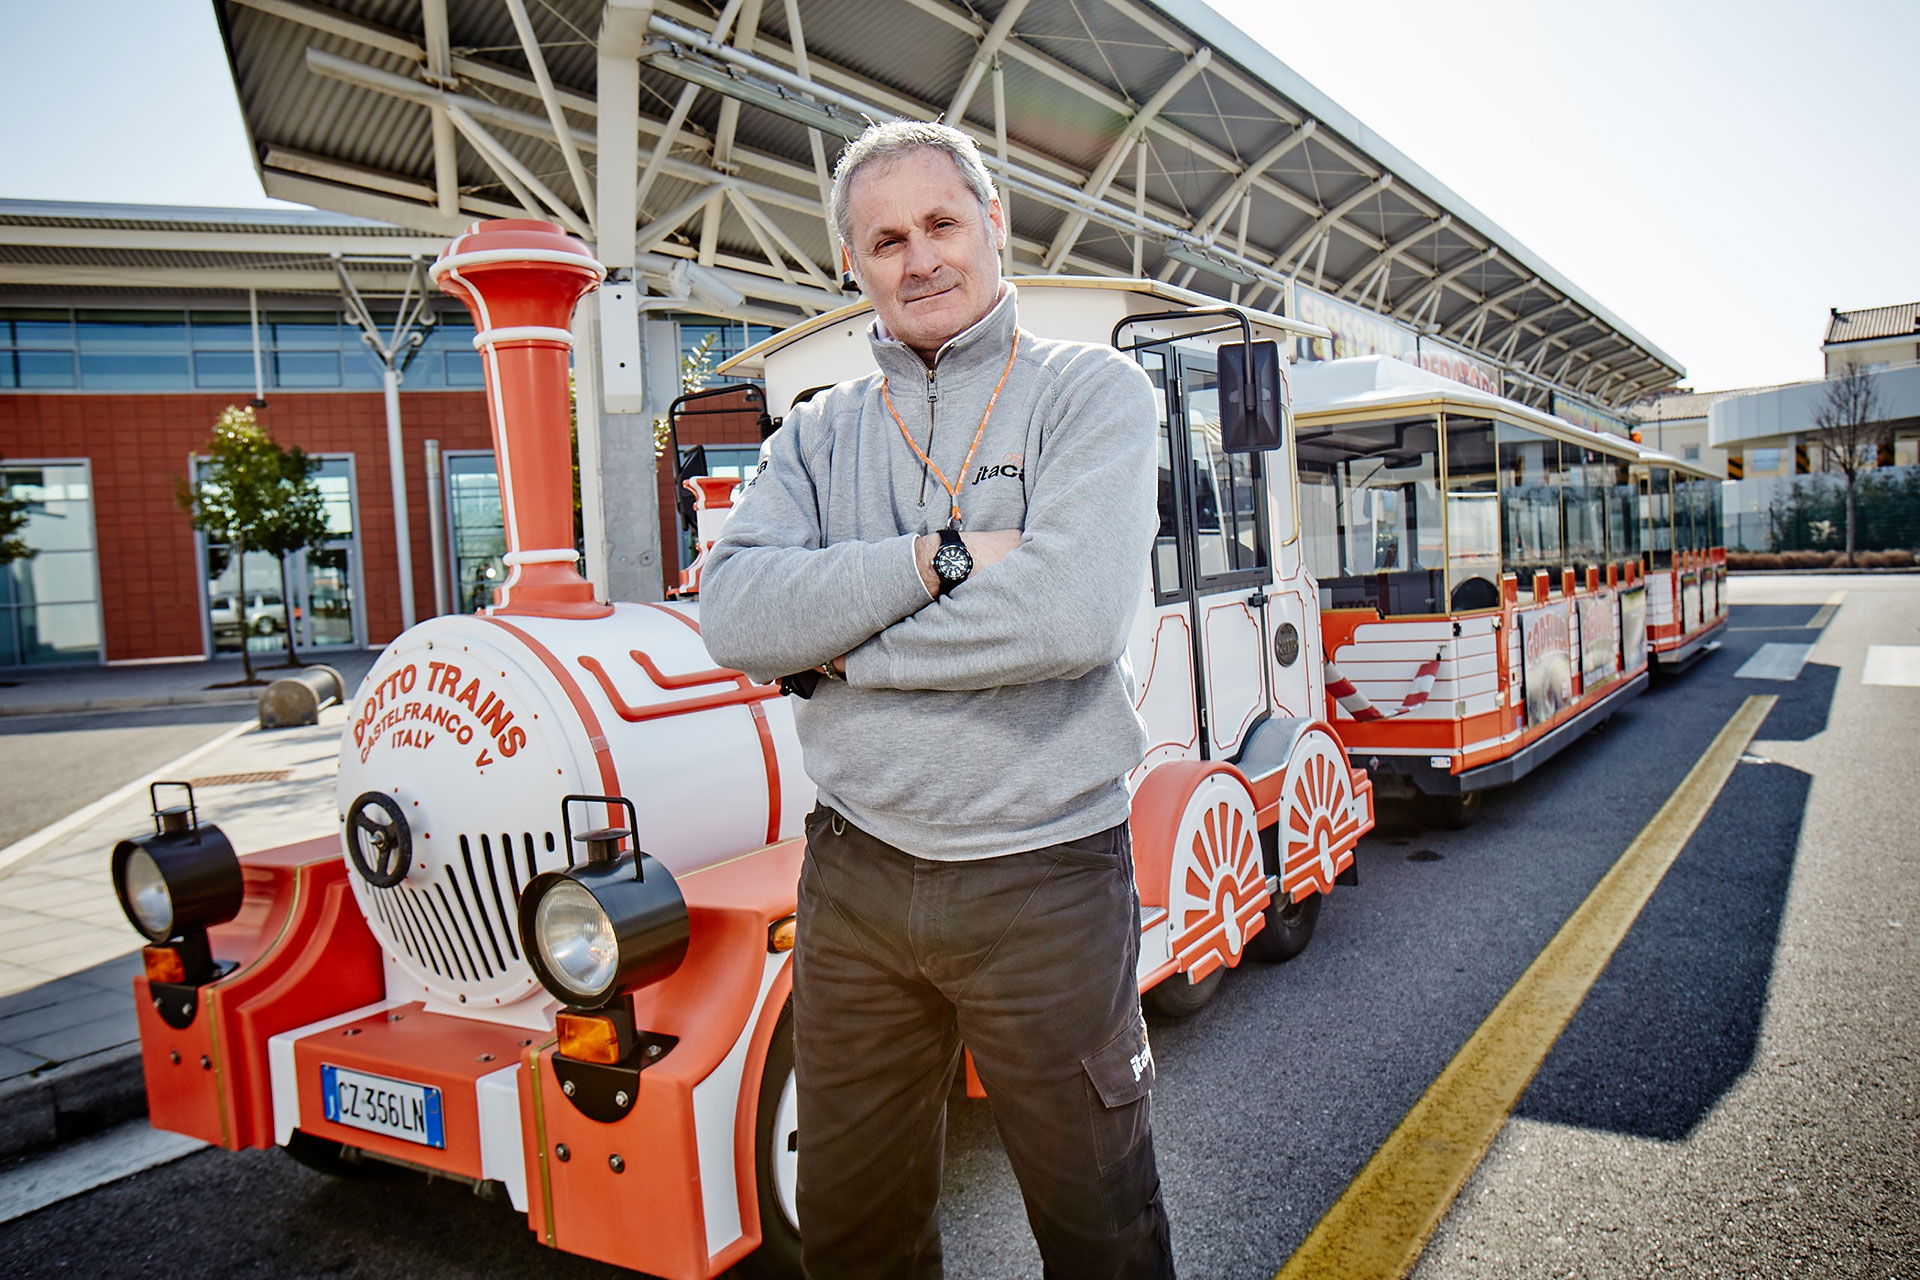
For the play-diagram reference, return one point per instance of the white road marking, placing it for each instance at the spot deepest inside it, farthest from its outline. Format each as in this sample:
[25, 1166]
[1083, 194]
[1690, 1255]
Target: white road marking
[1892, 664]
[1775, 662]
[25, 847]
[75, 1168]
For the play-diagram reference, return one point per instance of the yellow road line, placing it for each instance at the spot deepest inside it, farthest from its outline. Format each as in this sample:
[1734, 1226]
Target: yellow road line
[1380, 1224]
[1826, 612]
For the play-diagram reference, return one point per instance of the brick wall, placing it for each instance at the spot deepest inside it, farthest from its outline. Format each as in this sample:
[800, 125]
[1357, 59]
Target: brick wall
[140, 446]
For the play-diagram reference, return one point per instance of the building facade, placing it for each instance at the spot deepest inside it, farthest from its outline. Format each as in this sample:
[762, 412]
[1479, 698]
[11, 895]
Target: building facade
[121, 346]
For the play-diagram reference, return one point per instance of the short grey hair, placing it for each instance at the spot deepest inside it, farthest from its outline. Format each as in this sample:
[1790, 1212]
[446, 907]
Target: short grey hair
[884, 143]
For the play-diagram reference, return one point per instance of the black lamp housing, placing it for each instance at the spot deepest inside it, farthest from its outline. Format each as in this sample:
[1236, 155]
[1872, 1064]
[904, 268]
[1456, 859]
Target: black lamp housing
[201, 872]
[638, 895]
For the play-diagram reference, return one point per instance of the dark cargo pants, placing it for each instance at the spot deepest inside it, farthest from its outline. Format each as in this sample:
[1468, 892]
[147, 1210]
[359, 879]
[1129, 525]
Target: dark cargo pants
[1027, 959]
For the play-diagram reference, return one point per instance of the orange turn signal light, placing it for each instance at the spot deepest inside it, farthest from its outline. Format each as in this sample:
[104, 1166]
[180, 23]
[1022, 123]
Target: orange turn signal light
[780, 934]
[163, 964]
[588, 1037]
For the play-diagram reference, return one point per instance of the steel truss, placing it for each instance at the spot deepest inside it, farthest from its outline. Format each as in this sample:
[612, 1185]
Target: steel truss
[1127, 137]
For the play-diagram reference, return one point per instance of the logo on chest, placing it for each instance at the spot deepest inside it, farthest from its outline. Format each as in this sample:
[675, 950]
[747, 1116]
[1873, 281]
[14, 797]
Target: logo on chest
[1012, 466]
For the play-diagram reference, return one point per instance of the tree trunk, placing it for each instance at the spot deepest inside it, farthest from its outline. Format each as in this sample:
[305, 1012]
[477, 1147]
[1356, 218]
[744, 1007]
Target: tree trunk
[1850, 522]
[240, 608]
[286, 606]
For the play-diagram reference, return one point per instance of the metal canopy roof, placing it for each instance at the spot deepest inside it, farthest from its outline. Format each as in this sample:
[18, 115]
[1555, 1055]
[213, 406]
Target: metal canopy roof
[1130, 138]
[62, 245]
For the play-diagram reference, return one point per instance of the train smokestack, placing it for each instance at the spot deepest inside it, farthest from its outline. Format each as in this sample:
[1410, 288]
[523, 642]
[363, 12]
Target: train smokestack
[521, 280]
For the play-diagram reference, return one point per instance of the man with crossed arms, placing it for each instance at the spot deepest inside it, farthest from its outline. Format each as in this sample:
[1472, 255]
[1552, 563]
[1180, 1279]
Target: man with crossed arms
[954, 548]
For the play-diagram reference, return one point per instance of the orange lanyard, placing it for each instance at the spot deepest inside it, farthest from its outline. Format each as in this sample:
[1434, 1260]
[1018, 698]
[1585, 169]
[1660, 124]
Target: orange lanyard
[953, 490]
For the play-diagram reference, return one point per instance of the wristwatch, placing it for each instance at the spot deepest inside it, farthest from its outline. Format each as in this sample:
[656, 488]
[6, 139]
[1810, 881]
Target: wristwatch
[952, 562]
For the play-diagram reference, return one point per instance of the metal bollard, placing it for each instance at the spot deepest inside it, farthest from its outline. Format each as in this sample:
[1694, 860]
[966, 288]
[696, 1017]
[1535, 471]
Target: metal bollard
[299, 698]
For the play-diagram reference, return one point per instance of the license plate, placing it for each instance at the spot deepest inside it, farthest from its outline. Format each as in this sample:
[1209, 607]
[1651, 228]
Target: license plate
[410, 1112]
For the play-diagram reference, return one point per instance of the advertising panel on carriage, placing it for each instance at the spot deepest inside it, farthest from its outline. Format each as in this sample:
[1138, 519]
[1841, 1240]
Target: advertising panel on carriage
[1633, 627]
[1546, 646]
[1599, 645]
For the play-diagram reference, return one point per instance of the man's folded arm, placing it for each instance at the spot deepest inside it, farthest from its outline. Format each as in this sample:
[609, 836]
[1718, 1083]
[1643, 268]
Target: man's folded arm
[773, 600]
[1061, 603]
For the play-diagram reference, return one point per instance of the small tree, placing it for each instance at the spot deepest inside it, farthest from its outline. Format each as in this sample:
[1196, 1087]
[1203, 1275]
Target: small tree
[14, 513]
[1850, 430]
[255, 496]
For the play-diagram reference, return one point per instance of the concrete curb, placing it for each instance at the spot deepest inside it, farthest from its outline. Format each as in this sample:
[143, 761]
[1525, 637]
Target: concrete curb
[70, 1099]
[131, 704]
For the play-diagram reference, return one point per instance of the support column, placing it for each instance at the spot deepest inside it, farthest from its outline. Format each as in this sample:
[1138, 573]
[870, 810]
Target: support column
[619, 509]
[436, 529]
[397, 465]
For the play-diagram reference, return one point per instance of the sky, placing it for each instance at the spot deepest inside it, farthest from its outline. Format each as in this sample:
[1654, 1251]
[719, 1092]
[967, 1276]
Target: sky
[1716, 173]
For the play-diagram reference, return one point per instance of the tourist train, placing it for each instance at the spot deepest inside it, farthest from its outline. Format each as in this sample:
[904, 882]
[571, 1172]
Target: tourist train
[549, 952]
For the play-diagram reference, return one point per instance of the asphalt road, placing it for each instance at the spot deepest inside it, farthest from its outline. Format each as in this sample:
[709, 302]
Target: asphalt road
[1740, 1094]
[55, 764]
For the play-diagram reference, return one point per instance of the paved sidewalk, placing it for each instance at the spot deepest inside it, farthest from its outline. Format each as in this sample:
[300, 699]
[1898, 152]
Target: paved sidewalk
[69, 1054]
[41, 691]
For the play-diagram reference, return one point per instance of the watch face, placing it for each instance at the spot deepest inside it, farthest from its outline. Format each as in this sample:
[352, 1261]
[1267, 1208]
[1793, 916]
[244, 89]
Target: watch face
[953, 563]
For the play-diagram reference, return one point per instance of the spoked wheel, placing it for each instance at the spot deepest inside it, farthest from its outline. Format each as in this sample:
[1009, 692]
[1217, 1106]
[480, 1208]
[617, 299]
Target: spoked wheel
[1178, 998]
[776, 1163]
[1288, 930]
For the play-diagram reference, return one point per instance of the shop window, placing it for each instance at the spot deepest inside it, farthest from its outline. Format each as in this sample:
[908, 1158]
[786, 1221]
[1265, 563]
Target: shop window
[31, 370]
[49, 602]
[134, 371]
[223, 369]
[130, 349]
[251, 609]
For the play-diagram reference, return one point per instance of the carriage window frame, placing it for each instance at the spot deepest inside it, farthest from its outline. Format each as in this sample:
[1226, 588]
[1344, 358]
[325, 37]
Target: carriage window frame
[1656, 517]
[1349, 575]
[1186, 363]
[1170, 500]
[1454, 527]
[1552, 560]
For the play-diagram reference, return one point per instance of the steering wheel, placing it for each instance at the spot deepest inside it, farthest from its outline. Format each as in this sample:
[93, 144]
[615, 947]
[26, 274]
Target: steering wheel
[378, 840]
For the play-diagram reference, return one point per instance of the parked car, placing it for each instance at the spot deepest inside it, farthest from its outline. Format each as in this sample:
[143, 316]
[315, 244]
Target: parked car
[266, 613]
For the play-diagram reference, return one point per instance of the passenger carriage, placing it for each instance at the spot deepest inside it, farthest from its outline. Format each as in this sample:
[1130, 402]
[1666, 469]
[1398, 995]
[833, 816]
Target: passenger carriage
[554, 959]
[1493, 581]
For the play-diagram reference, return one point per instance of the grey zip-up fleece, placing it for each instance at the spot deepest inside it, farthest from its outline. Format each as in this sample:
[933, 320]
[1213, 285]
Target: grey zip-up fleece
[1000, 717]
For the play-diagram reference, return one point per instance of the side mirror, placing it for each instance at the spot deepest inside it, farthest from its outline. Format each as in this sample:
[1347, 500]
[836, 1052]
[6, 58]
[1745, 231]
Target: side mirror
[1250, 404]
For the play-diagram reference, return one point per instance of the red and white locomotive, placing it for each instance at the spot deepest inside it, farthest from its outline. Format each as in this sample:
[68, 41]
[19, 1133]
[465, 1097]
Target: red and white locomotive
[595, 1020]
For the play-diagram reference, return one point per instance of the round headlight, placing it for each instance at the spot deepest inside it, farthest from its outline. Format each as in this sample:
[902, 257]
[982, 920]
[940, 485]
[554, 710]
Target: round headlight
[147, 895]
[576, 940]
[172, 883]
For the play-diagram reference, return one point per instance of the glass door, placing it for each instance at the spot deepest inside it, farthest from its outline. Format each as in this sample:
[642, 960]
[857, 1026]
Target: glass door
[476, 530]
[253, 608]
[1225, 530]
